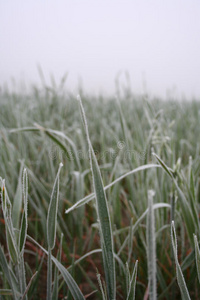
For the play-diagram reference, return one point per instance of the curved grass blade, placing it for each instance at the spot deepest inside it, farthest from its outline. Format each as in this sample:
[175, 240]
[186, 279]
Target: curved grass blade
[186, 210]
[103, 217]
[72, 285]
[179, 274]
[135, 226]
[90, 197]
[52, 135]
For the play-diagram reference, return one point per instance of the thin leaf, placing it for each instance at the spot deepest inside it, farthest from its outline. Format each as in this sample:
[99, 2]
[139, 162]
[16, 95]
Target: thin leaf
[186, 210]
[55, 286]
[90, 197]
[17, 202]
[151, 248]
[6, 271]
[179, 274]
[49, 275]
[131, 292]
[24, 223]
[29, 285]
[10, 237]
[197, 256]
[103, 217]
[72, 285]
[52, 212]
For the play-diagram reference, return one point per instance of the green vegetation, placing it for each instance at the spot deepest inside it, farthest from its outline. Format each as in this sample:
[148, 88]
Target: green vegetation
[101, 197]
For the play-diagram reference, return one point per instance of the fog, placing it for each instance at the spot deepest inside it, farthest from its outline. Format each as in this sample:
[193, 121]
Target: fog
[156, 42]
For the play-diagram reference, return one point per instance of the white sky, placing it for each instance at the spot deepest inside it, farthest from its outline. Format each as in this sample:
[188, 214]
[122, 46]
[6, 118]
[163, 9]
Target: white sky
[156, 41]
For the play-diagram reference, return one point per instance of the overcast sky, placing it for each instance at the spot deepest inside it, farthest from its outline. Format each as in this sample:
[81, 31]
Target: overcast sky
[157, 42]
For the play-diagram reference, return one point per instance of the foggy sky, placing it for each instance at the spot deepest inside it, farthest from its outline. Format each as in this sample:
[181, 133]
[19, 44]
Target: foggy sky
[157, 42]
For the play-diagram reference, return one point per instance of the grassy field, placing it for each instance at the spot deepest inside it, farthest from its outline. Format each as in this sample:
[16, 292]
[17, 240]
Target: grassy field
[120, 218]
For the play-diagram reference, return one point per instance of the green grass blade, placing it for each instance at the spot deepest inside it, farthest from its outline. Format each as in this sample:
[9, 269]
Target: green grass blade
[137, 223]
[5, 268]
[186, 209]
[24, 223]
[29, 285]
[103, 293]
[53, 134]
[49, 275]
[103, 217]
[10, 236]
[92, 196]
[56, 280]
[52, 212]
[179, 274]
[197, 256]
[72, 285]
[151, 248]
[17, 203]
[131, 292]
[163, 165]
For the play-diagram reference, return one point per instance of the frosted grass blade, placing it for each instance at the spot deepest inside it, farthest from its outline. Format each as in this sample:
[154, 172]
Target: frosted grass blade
[186, 210]
[51, 229]
[24, 222]
[197, 256]
[103, 217]
[5, 268]
[17, 203]
[151, 248]
[131, 292]
[52, 212]
[10, 236]
[49, 275]
[72, 285]
[179, 274]
[29, 285]
[92, 196]
[56, 280]
[52, 135]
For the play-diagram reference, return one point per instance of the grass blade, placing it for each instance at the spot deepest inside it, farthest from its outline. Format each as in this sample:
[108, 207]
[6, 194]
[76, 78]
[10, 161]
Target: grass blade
[179, 274]
[24, 222]
[29, 285]
[103, 217]
[49, 275]
[5, 268]
[186, 210]
[56, 280]
[72, 285]
[52, 212]
[131, 292]
[197, 256]
[10, 236]
[92, 196]
[17, 203]
[151, 248]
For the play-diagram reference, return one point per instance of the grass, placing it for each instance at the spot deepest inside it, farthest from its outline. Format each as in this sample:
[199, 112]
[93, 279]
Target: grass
[120, 220]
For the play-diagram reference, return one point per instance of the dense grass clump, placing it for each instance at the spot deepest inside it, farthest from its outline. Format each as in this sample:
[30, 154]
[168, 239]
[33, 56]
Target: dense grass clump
[120, 219]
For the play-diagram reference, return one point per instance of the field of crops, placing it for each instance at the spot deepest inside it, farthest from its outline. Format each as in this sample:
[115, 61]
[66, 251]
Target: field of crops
[101, 197]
